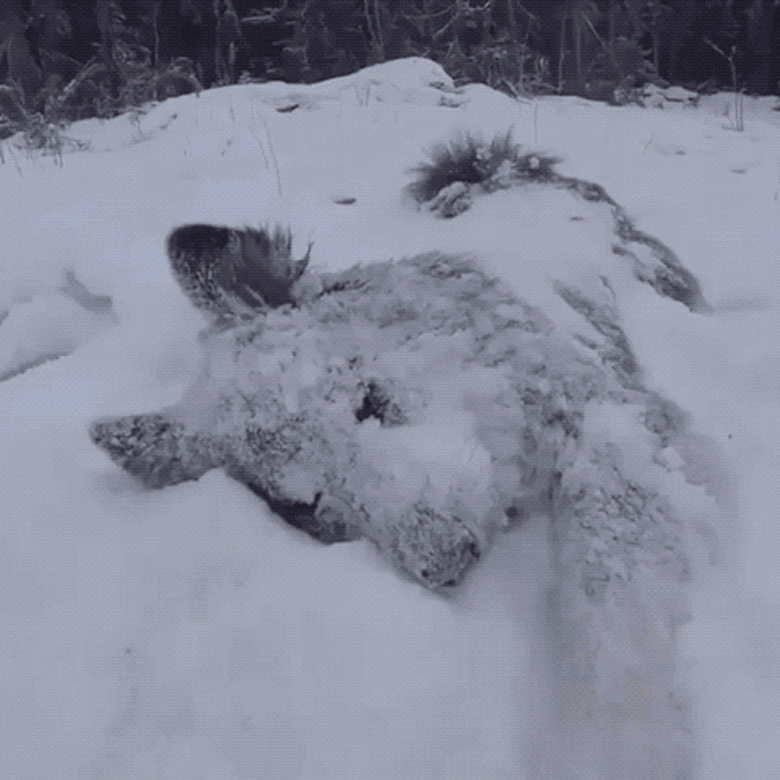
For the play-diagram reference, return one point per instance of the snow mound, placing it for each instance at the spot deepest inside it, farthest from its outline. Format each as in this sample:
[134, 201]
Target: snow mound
[50, 325]
[414, 80]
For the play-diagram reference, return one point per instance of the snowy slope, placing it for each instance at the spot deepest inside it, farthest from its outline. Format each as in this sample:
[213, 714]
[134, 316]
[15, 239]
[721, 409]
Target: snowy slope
[189, 633]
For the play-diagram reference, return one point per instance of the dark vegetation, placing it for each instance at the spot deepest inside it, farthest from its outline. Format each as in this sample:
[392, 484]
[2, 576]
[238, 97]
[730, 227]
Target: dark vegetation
[470, 160]
[68, 59]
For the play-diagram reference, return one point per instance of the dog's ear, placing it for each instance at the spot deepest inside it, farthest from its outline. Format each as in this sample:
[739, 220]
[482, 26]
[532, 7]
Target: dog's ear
[234, 274]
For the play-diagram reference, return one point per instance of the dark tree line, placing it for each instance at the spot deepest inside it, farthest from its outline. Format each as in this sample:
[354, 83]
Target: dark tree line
[84, 57]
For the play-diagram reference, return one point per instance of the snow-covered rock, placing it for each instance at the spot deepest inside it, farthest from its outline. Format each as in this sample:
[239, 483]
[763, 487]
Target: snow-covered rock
[677, 94]
[654, 96]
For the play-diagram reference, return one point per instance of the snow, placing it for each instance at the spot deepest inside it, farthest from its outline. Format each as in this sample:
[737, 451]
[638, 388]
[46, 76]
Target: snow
[187, 632]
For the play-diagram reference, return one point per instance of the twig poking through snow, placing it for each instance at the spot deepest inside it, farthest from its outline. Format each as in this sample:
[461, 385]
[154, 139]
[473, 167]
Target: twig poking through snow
[273, 157]
[777, 189]
[13, 157]
[739, 98]
[262, 150]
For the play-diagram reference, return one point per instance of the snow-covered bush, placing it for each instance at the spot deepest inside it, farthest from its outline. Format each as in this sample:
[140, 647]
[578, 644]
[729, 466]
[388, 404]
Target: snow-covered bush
[469, 160]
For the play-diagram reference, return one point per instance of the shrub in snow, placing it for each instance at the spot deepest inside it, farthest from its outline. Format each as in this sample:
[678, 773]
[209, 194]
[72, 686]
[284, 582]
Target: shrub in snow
[415, 403]
[13, 117]
[468, 160]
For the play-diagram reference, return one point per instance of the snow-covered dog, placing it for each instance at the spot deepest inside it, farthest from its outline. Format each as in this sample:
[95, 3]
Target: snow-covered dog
[417, 403]
[422, 405]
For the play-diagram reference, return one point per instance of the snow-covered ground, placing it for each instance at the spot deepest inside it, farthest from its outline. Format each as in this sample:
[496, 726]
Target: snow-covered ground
[187, 632]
